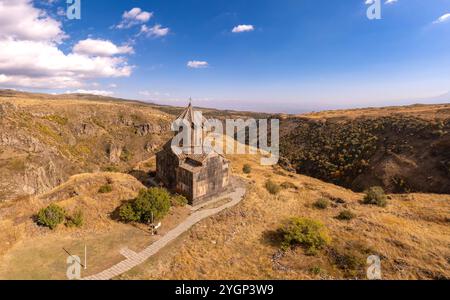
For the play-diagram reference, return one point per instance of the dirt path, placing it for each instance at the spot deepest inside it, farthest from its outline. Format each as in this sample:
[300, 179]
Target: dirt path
[133, 258]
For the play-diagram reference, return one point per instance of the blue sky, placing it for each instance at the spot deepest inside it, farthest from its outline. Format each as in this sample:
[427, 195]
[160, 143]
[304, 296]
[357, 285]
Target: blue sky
[291, 55]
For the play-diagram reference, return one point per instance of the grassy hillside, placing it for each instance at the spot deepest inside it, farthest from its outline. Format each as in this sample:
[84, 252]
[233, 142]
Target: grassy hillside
[46, 139]
[411, 235]
[62, 149]
[403, 149]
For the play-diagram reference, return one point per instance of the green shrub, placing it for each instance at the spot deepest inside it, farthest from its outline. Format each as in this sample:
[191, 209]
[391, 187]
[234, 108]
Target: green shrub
[345, 215]
[247, 169]
[288, 185]
[310, 234]
[127, 214]
[153, 202]
[178, 200]
[51, 216]
[272, 187]
[76, 220]
[107, 188]
[322, 203]
[375, 196]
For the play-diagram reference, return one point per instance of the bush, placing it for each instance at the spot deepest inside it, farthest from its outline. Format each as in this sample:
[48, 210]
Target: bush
[76, 220]
[247, 169]
[272, 187]
[288, 185]
[51, 216]
[150, 202]
[127, 214]
[322, 203]
[345, 215]
[375, 196]
[310, 234]
[178, 200]
[107, 188]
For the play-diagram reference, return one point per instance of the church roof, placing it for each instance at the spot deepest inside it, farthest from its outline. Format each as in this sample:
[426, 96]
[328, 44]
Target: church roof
[189, 116]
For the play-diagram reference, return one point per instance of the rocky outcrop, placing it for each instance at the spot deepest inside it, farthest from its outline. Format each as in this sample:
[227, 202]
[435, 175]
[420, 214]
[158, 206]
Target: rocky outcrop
[148, 128]
[45, 139]
[114, 152]
[40, 179]
[22, 142]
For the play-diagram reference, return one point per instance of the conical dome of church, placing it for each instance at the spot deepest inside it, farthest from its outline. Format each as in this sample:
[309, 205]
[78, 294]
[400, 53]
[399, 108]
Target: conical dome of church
[190, 116]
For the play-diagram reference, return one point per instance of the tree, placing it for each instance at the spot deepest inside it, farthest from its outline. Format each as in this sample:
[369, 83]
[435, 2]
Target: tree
[153, 203]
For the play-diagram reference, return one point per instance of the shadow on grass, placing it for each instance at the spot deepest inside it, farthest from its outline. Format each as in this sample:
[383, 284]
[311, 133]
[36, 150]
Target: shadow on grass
[115, 214]
[272, 238]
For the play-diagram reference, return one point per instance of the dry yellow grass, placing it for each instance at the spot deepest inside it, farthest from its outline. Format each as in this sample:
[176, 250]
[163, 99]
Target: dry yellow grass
[427, 112]
[29, 251]
[411, 235]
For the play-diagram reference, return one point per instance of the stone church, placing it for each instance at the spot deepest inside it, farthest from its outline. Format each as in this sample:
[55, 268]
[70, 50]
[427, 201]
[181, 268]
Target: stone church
[198, 177]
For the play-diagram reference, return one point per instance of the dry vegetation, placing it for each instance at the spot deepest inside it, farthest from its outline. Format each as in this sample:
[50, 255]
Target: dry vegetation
[47, 139]
[29, 251]
[402, 149]
[411, 235]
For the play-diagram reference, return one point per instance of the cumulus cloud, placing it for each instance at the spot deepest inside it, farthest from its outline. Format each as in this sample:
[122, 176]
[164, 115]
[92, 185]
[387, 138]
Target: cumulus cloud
[243, 28]
[195, 64]
[155, 31]
[93, 47]
[442, 19]
[20, 20]
[134, 17]
[31, 58]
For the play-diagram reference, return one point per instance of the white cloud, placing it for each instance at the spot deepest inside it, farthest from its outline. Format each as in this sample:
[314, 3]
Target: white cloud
[91, 92]
[40, 59]
[155, 31]
[30, 54]
[195, 64]
[243, 28]
[134, 17]
[112, 86]
[93, 47]
[390, 1]
[145, 93]
[20, 20]
[442, 19]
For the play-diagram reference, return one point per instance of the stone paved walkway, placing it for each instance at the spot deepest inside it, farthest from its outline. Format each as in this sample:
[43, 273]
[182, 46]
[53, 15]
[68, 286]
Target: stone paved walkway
[134, 259]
